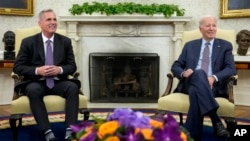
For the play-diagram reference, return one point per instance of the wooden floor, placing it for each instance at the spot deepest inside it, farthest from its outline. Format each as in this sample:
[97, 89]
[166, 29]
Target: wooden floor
[240, 111]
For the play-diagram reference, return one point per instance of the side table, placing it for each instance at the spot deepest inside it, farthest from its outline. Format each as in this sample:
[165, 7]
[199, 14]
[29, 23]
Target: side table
[7, 63]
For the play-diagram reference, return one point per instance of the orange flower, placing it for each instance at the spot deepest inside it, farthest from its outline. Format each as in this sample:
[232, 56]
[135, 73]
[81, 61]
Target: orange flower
[88, 131]
[147, 133]
[112, 138]
[155, 123]
[108, 128]
[183, 136]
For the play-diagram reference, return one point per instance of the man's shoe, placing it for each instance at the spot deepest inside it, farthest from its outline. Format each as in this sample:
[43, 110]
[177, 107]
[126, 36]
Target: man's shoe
[68, 139]
[53, 139]
[221, 131]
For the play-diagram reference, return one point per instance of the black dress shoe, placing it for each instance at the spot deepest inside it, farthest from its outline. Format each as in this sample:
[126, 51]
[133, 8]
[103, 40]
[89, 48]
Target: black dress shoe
[221, 131]
[53, 139]
[68, 139]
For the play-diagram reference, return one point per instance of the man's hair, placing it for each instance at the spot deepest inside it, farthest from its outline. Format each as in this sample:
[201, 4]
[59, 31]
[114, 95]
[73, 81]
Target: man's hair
[44, 11]
[239, 34]
[204, 17]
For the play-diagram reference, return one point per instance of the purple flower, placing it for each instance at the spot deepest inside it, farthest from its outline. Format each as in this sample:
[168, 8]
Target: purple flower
[170, 132]
[127, 117]
[119, 112]
[82, 126]
[130, 135]
[90, 137]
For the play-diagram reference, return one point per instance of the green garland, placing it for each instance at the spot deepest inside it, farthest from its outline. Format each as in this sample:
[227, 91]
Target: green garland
[129, 8]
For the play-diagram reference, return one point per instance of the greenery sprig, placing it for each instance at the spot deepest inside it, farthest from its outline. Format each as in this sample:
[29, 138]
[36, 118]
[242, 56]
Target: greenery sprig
[128, 7]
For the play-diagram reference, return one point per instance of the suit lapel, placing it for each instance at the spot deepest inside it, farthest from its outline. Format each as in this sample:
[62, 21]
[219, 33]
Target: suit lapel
[41, 47]
[196, 50]
[216, 50]
[57, 49]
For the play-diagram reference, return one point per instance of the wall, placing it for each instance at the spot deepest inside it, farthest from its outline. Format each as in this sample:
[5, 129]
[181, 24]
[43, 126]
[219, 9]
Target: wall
[194, 8]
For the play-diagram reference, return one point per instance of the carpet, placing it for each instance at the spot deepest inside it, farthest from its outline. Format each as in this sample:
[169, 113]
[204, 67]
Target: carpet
[29, 131]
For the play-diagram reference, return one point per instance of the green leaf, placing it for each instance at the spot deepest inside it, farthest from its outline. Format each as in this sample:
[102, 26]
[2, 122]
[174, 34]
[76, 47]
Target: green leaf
[127, 7]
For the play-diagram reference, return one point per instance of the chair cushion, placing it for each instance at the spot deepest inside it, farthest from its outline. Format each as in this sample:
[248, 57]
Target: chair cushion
[179, 102]
[53, 103]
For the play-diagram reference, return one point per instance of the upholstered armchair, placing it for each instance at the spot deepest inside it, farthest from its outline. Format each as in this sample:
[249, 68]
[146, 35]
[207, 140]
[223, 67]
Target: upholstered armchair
[20, 103]
[179, 102]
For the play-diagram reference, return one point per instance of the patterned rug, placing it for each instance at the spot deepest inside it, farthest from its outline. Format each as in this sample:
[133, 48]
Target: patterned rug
[99, 113]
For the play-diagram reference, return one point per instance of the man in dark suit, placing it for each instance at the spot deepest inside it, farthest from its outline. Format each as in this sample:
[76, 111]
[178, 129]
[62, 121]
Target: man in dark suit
[32, 63]
[201, 83]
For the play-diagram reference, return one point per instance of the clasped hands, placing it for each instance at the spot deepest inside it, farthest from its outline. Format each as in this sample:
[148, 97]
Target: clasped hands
[189, 71]
[48, 70]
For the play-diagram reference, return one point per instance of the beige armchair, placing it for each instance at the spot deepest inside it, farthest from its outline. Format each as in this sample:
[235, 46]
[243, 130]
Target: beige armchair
[20, 103]
[179, 102]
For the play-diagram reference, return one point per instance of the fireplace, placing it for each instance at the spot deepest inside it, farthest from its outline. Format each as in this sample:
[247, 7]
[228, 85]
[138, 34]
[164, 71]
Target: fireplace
[124, 34]
[124, 77]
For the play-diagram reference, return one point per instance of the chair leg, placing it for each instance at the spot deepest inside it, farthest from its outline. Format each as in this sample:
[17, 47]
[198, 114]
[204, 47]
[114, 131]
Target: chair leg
[181, 118]
[231, 123]
[13, 125]
[160, 113]
[85, 113]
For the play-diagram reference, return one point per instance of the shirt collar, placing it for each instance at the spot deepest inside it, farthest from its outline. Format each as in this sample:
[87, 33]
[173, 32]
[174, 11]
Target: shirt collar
[45, 38]
[204, 41]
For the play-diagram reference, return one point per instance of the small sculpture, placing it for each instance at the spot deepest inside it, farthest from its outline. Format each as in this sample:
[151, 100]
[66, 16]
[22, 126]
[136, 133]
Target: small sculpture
[243, 41]
[9, 45]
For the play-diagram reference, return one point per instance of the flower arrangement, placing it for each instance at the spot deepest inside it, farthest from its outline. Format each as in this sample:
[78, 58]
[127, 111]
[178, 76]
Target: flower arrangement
[127, 125]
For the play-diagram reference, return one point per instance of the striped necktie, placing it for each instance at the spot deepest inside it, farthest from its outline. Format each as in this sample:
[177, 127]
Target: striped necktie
[205, 58]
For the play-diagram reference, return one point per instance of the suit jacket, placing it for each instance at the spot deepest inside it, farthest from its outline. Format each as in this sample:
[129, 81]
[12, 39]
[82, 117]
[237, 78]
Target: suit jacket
[32, 55]
[222, 63]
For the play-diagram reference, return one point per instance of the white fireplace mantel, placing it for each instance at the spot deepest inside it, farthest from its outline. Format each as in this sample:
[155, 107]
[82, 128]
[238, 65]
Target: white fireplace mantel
[130, 34]
[177, 22]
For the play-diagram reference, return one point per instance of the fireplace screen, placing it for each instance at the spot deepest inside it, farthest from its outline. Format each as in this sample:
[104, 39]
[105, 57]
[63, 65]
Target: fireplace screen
[124, 77]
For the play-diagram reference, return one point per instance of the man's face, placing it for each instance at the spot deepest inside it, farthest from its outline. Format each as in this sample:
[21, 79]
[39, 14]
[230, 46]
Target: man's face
[208, 28]
[48, 24]
[244, 41]
[9, 39]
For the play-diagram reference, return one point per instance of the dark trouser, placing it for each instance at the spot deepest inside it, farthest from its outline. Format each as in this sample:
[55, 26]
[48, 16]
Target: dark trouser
[201, 102]
[67, 89]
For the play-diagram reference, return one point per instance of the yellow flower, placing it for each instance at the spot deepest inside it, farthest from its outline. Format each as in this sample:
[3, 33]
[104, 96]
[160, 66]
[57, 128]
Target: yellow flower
[183, 136]
[108, 128]
[155, 123]
[112, 138]
[147, 133]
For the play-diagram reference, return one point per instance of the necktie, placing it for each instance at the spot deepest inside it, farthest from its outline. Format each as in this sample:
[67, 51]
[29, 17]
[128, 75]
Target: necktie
[49, 61]
[205, 58]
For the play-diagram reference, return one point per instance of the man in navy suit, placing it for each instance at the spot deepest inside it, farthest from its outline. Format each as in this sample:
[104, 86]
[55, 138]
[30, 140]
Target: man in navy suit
[31, 63]
[203, 85]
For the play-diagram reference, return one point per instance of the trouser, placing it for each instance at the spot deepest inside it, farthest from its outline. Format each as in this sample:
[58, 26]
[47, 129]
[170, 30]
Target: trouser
[201, 100]
[67, 89]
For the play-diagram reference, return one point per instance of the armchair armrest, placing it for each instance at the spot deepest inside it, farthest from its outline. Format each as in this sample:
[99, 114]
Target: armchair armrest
[232, 80]
[17, 78]
[168, 89]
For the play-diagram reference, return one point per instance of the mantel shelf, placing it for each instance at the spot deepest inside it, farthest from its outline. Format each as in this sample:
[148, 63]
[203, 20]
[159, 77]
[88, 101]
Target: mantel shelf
[123, 18]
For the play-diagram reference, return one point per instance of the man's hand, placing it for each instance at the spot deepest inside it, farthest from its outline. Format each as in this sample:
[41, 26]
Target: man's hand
[211, 81]
[48, 70]
[187, 73]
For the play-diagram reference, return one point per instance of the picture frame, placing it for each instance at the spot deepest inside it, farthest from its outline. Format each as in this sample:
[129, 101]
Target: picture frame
[234, 8]
[17, 7]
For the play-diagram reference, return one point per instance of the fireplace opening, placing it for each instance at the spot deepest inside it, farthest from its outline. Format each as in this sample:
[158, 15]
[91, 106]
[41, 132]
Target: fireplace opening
[124, 77]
